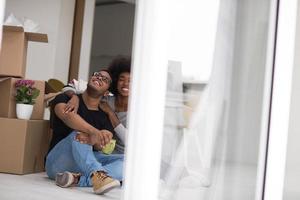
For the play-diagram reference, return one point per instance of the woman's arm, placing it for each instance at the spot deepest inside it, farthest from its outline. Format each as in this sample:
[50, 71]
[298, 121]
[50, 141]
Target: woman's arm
[121, 131]
[73, 104]
[119, 128]
[111, 114]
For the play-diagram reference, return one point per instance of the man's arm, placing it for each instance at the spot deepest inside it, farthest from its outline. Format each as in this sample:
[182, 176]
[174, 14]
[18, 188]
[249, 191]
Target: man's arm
[74, 121]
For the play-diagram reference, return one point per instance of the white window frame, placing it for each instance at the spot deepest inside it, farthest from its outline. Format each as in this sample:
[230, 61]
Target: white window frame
[147, 100]
[281, 95]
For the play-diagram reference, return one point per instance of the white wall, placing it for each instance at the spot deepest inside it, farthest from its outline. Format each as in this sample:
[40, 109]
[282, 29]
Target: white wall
[86, 39]
[55, 17]
[292, 172]
[2, 10]
[112, 34]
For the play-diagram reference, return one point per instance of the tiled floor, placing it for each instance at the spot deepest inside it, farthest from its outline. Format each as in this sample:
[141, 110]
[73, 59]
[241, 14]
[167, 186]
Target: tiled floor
[39, 187]
[233, 182]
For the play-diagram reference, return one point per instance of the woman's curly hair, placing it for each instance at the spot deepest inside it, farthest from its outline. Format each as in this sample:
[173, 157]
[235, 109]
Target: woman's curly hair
[118, 65]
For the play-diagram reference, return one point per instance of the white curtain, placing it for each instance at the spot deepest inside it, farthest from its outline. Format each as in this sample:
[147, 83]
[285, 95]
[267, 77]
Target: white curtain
[188, 153]
[216, 155]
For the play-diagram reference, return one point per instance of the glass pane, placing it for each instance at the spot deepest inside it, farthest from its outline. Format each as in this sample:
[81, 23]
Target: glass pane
[214, 103]
[292, 172]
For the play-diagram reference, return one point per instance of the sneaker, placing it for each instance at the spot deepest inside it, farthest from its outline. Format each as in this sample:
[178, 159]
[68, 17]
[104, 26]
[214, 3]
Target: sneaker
[103, 183]
[67, 179]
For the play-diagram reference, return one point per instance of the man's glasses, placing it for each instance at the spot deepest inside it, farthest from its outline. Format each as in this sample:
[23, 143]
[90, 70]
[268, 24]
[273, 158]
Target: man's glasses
[101, 77]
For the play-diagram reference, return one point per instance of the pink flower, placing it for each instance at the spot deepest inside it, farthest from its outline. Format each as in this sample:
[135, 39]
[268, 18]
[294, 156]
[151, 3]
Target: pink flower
[25, 92]
[29, 92]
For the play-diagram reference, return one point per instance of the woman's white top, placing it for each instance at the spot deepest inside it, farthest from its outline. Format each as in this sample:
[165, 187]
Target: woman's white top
[120, 129]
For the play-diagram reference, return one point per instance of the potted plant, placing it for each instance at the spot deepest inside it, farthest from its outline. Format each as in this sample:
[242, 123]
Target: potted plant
[26, 95]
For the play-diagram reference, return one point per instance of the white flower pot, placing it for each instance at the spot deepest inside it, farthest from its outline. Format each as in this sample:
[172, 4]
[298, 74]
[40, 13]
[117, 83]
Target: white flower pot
[24, 111]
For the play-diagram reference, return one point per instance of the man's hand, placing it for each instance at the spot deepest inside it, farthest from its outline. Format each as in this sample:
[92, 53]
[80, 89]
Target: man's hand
[83, 138]
[72, 105]
[98, 139]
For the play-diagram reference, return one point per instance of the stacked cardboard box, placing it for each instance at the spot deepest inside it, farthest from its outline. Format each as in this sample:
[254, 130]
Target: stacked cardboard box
[14, 50]
[8, 103]
[23, 143]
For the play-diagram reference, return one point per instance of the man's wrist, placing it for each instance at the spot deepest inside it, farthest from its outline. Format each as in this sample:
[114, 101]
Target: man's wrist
[92, 130]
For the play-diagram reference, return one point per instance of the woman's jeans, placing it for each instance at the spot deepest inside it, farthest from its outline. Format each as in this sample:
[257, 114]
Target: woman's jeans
[70, 155]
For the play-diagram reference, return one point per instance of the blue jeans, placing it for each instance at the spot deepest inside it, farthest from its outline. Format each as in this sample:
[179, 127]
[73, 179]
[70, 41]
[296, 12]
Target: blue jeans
[70, 155]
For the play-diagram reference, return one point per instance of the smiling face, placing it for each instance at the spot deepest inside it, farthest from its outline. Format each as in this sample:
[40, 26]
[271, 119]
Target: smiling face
[123, 84]
[100, 82]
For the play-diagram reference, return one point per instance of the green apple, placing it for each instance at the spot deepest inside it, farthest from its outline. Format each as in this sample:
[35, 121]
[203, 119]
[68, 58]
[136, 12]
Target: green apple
[109, 147]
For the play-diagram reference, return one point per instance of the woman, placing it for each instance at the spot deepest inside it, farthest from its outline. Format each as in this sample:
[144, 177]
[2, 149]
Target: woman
[115, 106]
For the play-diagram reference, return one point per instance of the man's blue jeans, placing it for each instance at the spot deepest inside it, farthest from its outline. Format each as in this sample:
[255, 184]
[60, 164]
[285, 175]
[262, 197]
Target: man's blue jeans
[70, 155]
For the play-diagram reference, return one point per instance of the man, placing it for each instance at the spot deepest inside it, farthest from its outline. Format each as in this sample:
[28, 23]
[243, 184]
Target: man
[67, 155]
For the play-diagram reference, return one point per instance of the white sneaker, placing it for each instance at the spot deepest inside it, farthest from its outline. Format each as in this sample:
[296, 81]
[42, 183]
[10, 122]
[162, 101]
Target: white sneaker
[67, 179]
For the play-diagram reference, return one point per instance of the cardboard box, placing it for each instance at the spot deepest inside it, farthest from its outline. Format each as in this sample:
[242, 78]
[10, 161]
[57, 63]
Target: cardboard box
[8, 102]
[14, 50]
[23, 145]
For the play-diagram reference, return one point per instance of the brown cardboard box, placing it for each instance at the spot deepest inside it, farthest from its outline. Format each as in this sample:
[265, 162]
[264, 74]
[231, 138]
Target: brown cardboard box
[23, 145]
[14, 50]
[8, 103]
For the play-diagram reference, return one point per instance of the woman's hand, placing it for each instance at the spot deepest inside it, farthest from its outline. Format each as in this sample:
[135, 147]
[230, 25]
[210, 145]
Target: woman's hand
[111, 114]
[105, 107]
[72, 105]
